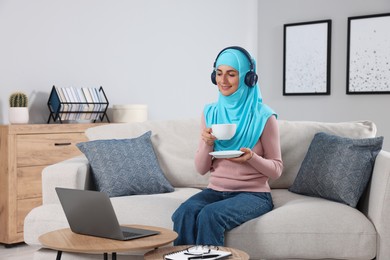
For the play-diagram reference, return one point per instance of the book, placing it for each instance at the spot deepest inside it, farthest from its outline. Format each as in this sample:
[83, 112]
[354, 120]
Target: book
[76, 102]
[85, 105]
[62, 99]
[95, 101]
[89, 100]
[69, 102]
[186, 254]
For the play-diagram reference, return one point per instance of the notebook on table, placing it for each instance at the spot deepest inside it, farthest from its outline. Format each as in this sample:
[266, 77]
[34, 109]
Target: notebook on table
[91, 213]
[189, 254]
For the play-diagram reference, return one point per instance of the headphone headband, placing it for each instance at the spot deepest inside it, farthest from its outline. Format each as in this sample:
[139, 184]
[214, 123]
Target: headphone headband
[245, 52]
[250, 77]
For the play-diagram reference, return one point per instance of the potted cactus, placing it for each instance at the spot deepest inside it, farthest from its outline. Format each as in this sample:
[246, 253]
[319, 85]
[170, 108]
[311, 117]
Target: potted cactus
[18, 108]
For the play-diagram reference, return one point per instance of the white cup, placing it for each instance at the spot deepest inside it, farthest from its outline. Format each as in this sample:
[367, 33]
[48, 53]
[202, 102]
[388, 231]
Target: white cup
[223, 131]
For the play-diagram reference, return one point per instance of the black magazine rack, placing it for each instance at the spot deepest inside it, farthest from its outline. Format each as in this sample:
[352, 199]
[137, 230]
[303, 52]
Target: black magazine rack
[77, 104]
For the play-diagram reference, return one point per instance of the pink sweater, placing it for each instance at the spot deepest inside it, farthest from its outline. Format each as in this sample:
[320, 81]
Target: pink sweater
[250, 176]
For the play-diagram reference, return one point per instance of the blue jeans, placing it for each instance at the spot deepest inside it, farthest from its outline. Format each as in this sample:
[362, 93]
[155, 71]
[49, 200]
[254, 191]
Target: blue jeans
[204, 218]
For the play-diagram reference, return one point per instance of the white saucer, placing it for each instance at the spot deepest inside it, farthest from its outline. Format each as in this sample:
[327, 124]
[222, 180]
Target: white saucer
[226, 154]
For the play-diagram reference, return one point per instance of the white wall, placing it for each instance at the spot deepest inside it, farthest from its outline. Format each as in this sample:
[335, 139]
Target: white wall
[338, 106]
[153, 52]
[161, 53]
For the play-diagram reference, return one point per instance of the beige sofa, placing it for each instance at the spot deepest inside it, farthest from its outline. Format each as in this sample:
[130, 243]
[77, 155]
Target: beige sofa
[299, 227]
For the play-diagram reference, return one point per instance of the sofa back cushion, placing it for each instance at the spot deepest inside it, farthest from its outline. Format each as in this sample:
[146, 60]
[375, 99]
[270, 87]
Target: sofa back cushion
[176, 141]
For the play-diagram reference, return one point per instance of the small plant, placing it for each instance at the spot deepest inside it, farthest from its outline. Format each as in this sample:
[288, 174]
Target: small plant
[18, 99]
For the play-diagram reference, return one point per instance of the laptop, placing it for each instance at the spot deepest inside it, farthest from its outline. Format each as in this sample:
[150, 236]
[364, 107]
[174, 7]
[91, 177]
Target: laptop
[91, 213]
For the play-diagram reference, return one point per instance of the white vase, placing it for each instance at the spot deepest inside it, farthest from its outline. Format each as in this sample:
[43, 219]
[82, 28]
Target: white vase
[18, 115]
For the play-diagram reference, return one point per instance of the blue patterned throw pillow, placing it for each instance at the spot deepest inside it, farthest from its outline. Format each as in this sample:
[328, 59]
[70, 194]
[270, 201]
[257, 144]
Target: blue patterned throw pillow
[337, 168]
[123, 167]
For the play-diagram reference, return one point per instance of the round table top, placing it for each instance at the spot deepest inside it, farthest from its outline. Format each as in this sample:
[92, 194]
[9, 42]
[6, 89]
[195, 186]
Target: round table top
[66, 240]
[159, 253]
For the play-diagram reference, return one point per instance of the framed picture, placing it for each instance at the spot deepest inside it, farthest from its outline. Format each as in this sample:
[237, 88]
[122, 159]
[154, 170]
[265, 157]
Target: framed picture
[306, 64]
[368, 55]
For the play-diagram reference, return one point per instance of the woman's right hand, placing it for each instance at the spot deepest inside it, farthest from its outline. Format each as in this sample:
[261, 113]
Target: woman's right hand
[207, 137]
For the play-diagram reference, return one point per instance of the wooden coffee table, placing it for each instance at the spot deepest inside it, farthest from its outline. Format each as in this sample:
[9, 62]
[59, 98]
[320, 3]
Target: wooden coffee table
[67, 241]
[159, 253]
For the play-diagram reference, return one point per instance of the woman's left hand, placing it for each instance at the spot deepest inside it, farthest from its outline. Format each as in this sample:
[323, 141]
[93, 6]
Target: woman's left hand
[247, 155]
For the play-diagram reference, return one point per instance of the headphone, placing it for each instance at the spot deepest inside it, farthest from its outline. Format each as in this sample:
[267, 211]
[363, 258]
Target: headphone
[250, 77]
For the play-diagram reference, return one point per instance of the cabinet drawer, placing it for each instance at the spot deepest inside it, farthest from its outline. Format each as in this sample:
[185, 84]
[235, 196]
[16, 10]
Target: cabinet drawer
[45, 149]
[29, 182]
[23, 208]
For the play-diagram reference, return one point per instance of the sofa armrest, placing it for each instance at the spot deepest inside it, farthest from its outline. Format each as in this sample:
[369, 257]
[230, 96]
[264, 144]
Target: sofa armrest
[376, 204]
[72, 173]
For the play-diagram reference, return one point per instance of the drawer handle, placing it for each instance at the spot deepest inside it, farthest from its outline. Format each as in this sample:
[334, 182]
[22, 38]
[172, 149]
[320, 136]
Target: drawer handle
[62, 144]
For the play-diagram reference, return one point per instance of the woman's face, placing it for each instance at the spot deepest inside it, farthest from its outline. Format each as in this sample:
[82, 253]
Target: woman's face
[227, 80]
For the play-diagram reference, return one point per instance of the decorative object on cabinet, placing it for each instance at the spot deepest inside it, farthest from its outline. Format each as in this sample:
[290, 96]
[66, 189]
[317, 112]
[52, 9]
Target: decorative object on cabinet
[368, 55]
[77, 104]
[129, 113]
[18, 108]
[306, 64]
[25, 150]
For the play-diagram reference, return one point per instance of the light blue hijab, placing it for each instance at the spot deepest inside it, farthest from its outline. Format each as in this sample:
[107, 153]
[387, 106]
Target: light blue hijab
[244, 107]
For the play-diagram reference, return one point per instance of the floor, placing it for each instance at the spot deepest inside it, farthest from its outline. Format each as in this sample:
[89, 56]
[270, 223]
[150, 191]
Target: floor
[17, 252]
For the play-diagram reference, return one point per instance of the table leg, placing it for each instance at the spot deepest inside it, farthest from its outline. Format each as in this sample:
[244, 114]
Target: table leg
[113, 256]
[59, 253]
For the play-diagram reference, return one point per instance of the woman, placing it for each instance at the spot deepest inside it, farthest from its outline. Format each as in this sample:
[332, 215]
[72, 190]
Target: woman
[238, 188]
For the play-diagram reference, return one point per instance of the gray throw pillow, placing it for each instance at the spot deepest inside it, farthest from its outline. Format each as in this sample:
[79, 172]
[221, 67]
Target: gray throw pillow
[337, 168]
[125, 166]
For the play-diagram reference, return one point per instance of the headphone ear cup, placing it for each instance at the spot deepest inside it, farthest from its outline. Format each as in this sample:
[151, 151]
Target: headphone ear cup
[251, 79]
[213, 77]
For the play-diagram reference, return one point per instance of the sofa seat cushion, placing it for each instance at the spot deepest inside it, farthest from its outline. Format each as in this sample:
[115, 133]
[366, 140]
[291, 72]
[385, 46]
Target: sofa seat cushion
[153, 210]
[305, 227]
[308, 228]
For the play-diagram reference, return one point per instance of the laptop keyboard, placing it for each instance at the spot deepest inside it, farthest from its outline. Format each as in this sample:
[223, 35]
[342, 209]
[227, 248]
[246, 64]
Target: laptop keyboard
[127, 234]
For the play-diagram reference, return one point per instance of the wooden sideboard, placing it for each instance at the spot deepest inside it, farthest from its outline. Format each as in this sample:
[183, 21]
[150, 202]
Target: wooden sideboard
[24, 151]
